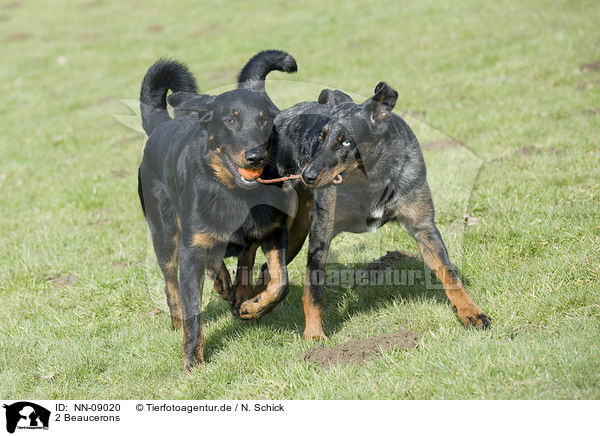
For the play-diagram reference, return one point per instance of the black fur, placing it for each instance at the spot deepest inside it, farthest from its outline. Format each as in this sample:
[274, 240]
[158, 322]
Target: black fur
[198, 206]
[255, 72]
[161, 77]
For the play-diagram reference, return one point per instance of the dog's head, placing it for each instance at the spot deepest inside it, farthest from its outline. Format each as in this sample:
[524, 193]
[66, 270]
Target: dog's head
[352, 130]
[239, 127]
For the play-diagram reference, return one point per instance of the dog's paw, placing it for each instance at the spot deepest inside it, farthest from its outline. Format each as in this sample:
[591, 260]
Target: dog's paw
[472, 316]
[239, 294]
[192, 363]
[255, 308]
[314, 334]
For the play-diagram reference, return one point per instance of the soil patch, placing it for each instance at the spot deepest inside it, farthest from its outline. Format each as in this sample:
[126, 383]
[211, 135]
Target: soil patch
[12, 5]
[17, 37]
[90, 36]
[356, 351]
[591, 66]
[592, 111]
[63, 281]
[589, 85]
[154, 28]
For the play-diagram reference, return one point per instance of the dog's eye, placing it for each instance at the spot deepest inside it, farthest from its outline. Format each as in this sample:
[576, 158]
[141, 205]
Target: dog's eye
[232, 121]
[320, 136]
[346, 143]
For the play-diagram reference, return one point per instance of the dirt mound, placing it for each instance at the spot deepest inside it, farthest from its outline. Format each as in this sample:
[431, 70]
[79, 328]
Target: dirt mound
[356, 351]
[590, 66]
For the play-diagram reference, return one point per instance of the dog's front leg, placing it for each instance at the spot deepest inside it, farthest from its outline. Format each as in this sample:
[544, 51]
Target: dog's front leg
[418, 217]
[436, 257]
[274, 248]
[320, 235]
[192, 262]
[298, 228]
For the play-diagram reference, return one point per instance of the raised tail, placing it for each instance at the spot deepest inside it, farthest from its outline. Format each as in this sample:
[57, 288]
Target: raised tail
[255, 72]
[163, 75]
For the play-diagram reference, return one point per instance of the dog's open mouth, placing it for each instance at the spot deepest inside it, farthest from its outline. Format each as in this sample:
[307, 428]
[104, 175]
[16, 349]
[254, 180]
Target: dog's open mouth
[250, 174]
[245, 177]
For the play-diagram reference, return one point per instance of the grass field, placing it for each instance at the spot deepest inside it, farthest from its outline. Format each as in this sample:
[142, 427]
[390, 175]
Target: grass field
[504, 79]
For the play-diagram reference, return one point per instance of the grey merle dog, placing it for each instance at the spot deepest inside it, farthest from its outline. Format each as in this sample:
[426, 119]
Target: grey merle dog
[384, 179]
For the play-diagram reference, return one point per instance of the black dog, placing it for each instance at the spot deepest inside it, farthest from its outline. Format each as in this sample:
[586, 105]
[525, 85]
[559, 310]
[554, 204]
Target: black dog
[198, 188]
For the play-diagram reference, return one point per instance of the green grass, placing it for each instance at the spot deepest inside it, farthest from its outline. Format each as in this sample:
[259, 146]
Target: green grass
[77, 276]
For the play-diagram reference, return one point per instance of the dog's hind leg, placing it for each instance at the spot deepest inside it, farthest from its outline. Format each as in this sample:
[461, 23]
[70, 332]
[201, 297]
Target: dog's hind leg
[169, 266]
[418, 217]
[274, 248]
[164, 227]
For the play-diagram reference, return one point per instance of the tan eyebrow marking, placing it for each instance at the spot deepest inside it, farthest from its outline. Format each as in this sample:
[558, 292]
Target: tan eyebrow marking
[260, 114]
[236, 113]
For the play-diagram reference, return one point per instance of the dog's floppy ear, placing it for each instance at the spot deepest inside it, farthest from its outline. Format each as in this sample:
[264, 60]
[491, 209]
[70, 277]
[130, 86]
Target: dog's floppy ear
[382, 103]
[332, 98]
[189, 102]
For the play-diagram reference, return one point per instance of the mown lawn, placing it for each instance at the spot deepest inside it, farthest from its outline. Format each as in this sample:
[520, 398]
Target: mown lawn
[503, 79]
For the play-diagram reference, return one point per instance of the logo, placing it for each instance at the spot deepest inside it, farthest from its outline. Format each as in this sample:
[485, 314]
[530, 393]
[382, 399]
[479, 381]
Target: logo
[26, 415]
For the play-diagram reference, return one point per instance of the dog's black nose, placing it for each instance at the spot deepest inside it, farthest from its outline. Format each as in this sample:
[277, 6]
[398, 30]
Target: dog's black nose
[256, 156]
[310, 175]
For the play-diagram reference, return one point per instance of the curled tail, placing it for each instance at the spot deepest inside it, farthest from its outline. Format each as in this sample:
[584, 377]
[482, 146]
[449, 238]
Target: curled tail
[255, 72]
[160, 77]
